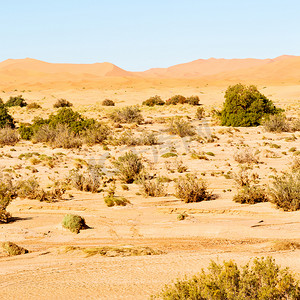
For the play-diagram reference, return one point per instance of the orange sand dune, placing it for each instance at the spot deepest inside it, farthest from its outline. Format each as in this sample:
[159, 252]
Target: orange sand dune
[31, 73]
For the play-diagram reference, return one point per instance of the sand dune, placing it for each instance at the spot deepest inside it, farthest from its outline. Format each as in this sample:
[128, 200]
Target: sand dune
[31, 73]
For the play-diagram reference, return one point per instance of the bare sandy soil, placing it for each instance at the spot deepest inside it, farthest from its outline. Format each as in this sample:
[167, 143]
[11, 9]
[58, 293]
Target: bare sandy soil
[219, 229]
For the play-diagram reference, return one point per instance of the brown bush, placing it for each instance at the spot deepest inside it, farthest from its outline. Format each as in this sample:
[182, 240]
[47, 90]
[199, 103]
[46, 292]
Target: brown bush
[8, 136]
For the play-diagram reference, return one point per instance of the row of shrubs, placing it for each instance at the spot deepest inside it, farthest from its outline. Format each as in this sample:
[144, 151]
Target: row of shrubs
[177, 99]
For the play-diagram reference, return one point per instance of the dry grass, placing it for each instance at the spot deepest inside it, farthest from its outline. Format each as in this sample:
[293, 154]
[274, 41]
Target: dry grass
[13, 249]
[8, 136]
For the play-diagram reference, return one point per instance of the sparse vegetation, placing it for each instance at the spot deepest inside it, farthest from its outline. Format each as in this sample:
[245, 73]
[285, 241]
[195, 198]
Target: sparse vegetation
[245, 156]
[152, 187]
[180, 127]
[276, 123]
[260, 279]
[156, 100]
[128, 114]
[108, 102]
[8, 136]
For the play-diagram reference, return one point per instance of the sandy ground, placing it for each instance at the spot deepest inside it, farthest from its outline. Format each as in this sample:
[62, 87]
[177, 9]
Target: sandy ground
[218, 229]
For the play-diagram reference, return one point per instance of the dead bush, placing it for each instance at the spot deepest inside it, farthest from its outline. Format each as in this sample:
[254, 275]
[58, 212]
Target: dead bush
[192, 189]
[128, 114]
[251, 195]
[245, 156]
[152, 187]
[180, 127]
[8, 136]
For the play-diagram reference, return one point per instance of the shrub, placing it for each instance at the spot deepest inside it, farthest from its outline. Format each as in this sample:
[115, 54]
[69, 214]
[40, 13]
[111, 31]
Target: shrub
[74, 223]
[152, 188]
[25, 131]
[89, 181]
[62, 103]
[96, 134]
[200, 113]
[285, 192]
[129, 166]
[13, 249]
[251, 195]
[276, 123]
[8, 136]
[156, 100]
[16, 101]
[192, 189]
[115, 201]
[7, 194]
[5, 118]
[128, 114]
[245, 156]
[177, 99]
[33, 105]
[245, 106]
[193, 100]
[261, 279]
[180, 127]
[169, 154]
[108, 102]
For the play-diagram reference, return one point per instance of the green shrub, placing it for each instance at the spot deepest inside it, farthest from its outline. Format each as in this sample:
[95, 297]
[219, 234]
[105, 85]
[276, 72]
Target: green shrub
[62, 103]
[129, 166]
[169, 154]
[5, 118]
[285, 192]
[8, 136]
[128, 114]
[25, 131]
[16, 101]
[276, 123]
[192, 189]
[180, 127]
[115, 201]
[13, 249]
[177, 99]
[245, 106]
[74, 223]
[156, 100]
[108, 102]
[261, 279]
[193, 100]
[251, 195]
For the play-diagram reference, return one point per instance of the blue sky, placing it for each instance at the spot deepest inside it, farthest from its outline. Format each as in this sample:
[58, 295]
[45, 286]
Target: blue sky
[137, 35]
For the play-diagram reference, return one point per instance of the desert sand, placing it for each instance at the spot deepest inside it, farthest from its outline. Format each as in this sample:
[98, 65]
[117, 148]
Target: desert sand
[219, 229]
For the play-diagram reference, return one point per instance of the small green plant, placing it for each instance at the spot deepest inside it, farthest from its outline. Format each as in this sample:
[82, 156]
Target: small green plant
[260, 279]
[108, 102]
[16, 101]
[192, 189]
[13, 249]
[129, 167]
[156, 100]
[62, 103]
[182, 217]
[74, 223]
[169, 154]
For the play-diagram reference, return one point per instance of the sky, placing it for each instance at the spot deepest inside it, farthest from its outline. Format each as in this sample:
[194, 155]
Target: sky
[138, 35]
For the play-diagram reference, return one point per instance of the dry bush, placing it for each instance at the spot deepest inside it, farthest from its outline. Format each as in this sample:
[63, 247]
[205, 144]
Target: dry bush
[284, 245]
[245, 156]
[74, 223]
[180, 127]
[129, 166]
[295, 165]
[7, 194]
[108, 102]
[89, 180]
[13, 249]
[192, 189]
[33, 105]
[276, 123]
[251, 195]
[128, 114]
[260, 279]
[62, 103]
[285, 192]
[200, 113]
[96, 134]
[8, 136]
[152, 187]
